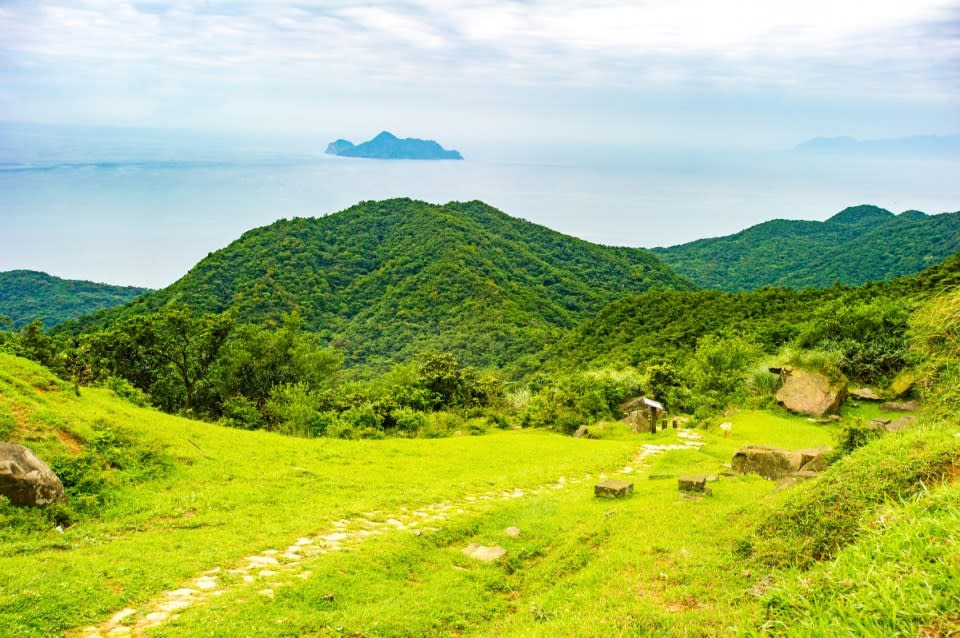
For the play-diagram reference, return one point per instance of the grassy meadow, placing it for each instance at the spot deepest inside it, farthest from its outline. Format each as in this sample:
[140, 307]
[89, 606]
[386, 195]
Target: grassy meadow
[198, 498]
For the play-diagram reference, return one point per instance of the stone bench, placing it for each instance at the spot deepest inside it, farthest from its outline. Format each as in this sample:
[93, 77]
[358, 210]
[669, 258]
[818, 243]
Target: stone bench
[612, 488]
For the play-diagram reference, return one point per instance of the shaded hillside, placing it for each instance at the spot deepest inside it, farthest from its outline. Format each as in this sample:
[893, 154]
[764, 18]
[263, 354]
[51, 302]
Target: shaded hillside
[387, 279]
[857, 245]
[659, 325]
[26, 295]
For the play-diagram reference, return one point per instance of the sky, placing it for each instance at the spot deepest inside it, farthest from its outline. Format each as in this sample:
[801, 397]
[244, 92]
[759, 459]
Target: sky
[755, 74]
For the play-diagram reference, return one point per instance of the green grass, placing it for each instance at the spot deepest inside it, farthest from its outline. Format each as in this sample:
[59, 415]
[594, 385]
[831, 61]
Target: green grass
[230, 493]
[821, 517]
[900, 576]
[654, 564]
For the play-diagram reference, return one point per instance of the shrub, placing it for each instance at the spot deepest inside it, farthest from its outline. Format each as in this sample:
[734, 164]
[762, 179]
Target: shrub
[409, 420]
[362, 417]
[240, 412]
[126, 390]
[294, 408]
[440, 424]
[716, 371]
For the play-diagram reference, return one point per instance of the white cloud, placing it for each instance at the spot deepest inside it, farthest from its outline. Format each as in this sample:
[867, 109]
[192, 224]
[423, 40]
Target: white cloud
[891, 49]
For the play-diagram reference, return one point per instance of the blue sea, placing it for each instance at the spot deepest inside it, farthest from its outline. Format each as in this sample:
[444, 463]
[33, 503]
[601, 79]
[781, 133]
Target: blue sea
[141, 207]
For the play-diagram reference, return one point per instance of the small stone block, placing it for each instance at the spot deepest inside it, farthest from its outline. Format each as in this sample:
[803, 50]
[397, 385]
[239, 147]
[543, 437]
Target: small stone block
[612, 489]
[692, 483]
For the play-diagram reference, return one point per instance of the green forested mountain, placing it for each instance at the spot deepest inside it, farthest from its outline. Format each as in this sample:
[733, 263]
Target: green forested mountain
[659, 325]
[26, 295]
[855, 246]
[388, 279]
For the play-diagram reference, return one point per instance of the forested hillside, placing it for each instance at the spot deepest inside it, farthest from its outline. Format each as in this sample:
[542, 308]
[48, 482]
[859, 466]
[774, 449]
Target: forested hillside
[26, 295]
[855, 246]
[385, 280]
[865, 325]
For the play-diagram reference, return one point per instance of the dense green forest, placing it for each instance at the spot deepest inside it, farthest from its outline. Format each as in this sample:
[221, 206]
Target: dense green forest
[699, 352]
[382, 281]
[404, 318]
[855, 246]
[648, 326]
[26, 295]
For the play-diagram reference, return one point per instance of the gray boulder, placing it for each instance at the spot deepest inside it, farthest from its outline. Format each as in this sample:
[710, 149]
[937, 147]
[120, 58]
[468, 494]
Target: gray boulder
[900, 406]
[25, 479]
[484, 553]
[865, 394]
[900, 424]
[811, 393]
[775, 463]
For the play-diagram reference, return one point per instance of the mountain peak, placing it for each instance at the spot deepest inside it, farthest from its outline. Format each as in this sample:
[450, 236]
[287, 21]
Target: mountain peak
[857, 214]
[384, 136]
[384, 280]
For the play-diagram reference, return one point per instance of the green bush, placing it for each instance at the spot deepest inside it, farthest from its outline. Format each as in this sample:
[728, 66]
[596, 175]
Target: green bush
[126, 390]
[441, 424]
[716, 371]
[240, 412]
[295, 409]
[409, 420]
[362, 417]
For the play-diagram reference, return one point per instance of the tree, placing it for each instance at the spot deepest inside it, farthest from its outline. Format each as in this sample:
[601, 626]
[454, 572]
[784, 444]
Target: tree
[168, 354]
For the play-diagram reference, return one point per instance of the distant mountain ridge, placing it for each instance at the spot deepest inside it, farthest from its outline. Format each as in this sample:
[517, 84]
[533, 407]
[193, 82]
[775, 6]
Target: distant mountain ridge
[386, 145]
[857, 245]
[914, 145]
[26, 295]
[384, 280]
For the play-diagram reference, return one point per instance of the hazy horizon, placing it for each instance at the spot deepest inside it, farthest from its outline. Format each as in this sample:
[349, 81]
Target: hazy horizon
[139, 135]
[105, 205]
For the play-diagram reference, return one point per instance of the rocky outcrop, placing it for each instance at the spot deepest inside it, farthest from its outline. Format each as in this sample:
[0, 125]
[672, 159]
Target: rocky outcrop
[900, 406]
[25, 479]
[865, 394]
[900, 424]
[696, 485]
[811, 393]
[775, 463]
[484, 553]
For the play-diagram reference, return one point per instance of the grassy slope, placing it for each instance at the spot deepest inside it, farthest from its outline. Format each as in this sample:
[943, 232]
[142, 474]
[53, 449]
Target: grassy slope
[580, 566]
[858, 245]
[244, 492]
[655, 564]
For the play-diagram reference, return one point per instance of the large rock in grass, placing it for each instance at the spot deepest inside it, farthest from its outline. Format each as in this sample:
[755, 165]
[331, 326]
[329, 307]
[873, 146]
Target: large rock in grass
[775, 463]
[25, 479]
[812, 393]
[900, 406]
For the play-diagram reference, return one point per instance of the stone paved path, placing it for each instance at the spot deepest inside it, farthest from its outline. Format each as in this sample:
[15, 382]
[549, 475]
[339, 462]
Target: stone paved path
[267, 567]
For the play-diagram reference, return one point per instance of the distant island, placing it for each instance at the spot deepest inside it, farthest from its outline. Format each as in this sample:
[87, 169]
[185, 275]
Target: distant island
[386, 145]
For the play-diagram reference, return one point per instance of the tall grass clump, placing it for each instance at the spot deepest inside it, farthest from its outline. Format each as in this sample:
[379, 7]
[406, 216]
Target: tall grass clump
[935, 339]
[823, 516]
[899, 579]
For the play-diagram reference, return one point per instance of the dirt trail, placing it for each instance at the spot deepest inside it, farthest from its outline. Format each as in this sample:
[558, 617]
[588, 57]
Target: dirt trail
[268, 566]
